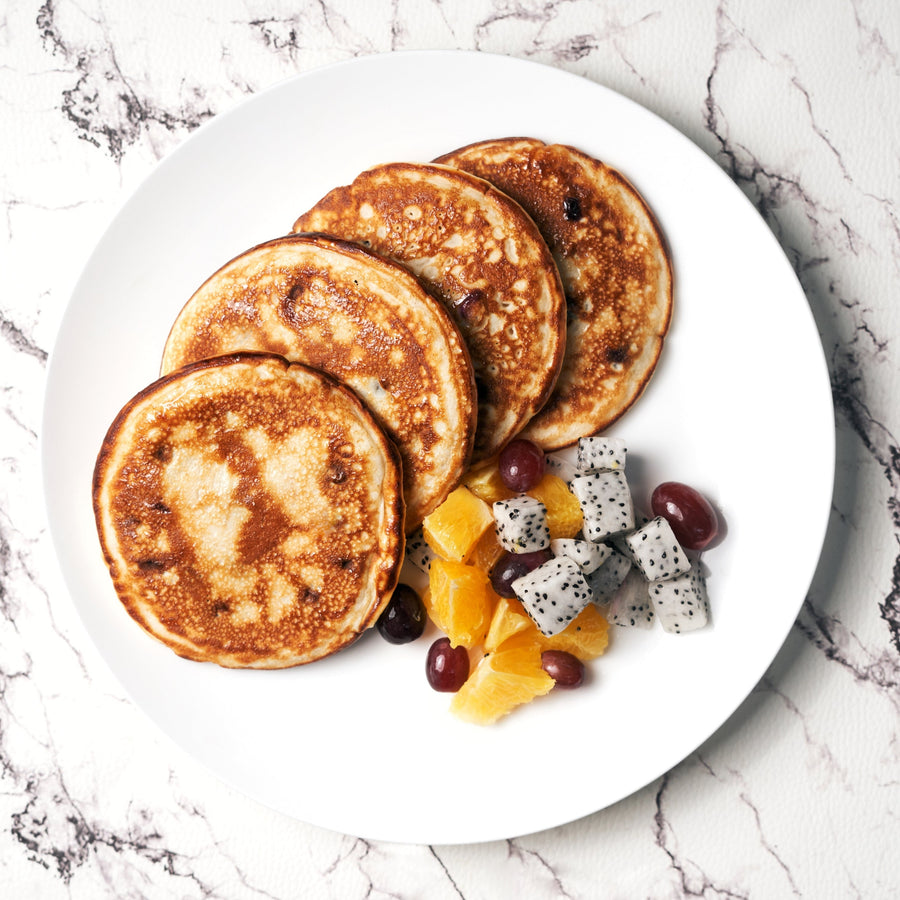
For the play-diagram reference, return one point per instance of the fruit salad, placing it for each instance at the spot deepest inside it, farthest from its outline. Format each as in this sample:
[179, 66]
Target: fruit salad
[532, 558]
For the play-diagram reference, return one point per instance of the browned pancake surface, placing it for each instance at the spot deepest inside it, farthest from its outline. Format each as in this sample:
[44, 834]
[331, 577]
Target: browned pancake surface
[250, 512]
[478, 252]
[614, 267]
[364, 320]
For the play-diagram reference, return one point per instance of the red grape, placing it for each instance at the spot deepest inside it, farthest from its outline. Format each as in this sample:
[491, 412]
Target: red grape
[564, 668]
[693, 520]
[511, 566]
[404, 618]
[446, 667]
[521, 465]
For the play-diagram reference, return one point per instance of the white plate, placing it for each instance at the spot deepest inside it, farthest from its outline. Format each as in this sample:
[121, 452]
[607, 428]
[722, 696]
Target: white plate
[740, 407]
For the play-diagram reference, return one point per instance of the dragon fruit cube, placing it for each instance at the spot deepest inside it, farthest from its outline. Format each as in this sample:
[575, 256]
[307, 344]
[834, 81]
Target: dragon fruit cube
[620, 540]
[601, 454]
[418, 552]
[521, 524]
[630, 605]
[587, 554]
[605, 581]
[656, 551]
[681, 603]
[561, 466]
[605, 502]
[553, 593]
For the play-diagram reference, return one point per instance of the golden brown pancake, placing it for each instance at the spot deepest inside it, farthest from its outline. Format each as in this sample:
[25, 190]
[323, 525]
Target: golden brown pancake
[615, 270]
[364, 320]
[478, 252]
[250, 512]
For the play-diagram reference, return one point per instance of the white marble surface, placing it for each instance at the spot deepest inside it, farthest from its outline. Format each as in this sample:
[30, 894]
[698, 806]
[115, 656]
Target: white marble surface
[798, 794]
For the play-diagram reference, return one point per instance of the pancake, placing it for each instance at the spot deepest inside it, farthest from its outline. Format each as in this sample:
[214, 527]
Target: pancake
[362, 319]
[250, 512]
[483, 257]
[615, 271]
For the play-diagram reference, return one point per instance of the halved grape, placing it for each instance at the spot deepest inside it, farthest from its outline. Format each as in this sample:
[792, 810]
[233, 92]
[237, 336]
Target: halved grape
[693, 520]
[521, 464]
[511, 566]
[564, 668]
[404, 618]
[446, 667]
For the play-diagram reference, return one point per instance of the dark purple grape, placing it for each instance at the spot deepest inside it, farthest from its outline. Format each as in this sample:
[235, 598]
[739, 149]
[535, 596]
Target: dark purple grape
[564, 668]
[404, 618]
[521, 465]
[446, 667]
[511, 566]
[693, 520]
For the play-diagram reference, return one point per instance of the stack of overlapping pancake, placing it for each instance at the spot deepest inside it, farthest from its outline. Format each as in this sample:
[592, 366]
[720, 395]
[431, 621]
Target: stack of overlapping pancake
[324, 391]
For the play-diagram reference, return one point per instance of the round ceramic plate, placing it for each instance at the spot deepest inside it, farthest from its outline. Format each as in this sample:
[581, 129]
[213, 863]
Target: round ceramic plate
[359, 743]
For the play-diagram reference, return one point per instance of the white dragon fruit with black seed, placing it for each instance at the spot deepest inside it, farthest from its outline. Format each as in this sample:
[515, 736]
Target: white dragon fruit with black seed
[553, 594]
[656, 551]
[606, 503]
[561, 466]
[606, 580]
[630, 605]
[521, 524]
[418, 552]
[620, 541]
[601, 454]
[587, 554]
[681, 603]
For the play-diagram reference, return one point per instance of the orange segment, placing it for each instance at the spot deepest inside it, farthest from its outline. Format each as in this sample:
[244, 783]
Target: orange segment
[454, 528]
[509, 620]
[487, 551]
[564, 516]
[586, 636]
[460, 601]
[485, 482]
[500, 682]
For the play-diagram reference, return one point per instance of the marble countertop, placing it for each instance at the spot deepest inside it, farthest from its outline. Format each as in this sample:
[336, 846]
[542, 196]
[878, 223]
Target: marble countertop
[798, 794]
